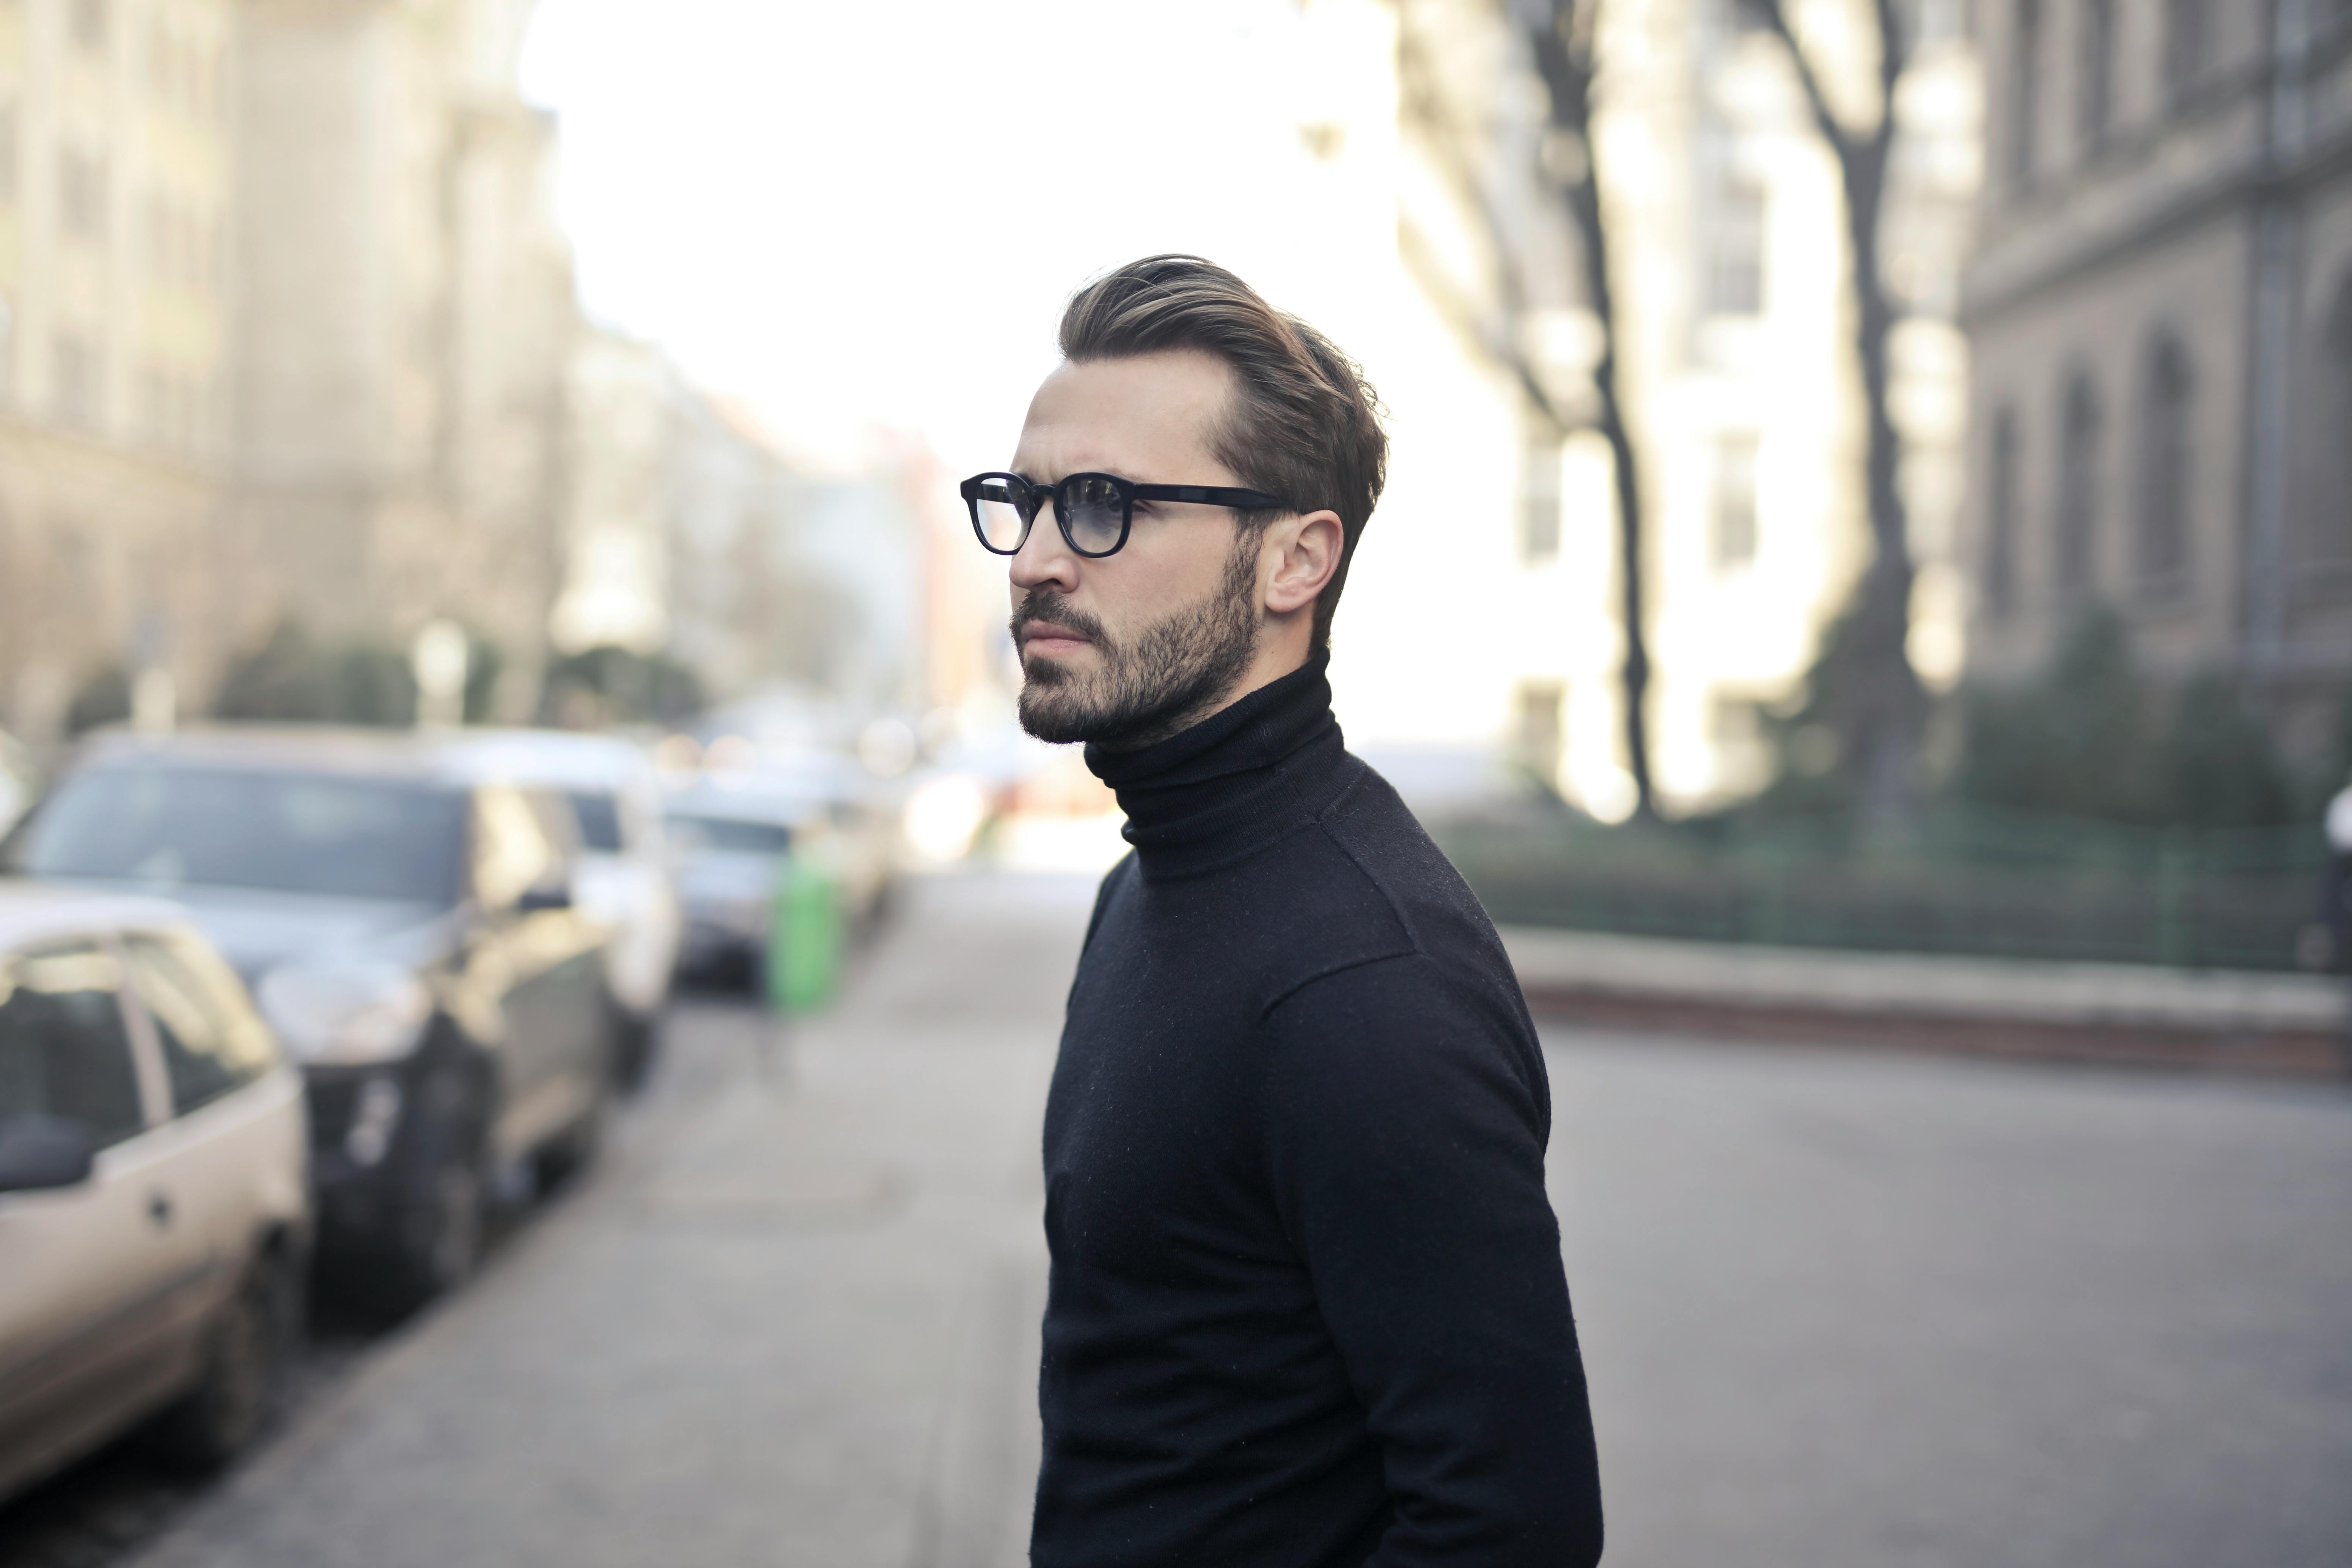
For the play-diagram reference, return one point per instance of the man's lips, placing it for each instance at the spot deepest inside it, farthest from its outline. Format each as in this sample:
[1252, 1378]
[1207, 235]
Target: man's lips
[1045, 637]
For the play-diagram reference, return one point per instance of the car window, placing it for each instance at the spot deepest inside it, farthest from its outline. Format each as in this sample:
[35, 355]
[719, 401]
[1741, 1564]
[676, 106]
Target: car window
[213, 1041]
[731, 835]
[600, 820]
[64, 1050]
[289, 832]
[512, 850]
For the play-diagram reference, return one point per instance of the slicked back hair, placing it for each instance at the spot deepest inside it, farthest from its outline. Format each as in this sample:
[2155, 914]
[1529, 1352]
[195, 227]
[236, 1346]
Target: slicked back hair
[1304, 424]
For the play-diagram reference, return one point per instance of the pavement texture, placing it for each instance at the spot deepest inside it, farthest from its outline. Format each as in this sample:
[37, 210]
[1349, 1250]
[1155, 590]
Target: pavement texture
[1839, 1310]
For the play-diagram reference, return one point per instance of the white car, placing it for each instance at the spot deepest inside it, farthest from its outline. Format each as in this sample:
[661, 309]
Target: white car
[154, 1211]
[19, 782]
[733, 833]
[622, 877]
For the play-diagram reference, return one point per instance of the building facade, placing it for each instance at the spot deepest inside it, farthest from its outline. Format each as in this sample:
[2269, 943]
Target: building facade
[117, 191]
[405, 325]
[2161, 309]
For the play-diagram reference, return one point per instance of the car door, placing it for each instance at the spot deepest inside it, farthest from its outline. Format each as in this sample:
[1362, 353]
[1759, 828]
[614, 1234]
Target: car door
[232, 1155]
[97, 1277]
[540, 955]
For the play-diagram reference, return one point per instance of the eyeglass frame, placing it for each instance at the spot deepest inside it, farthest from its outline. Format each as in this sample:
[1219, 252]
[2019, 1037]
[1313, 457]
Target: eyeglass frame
[1129, 492]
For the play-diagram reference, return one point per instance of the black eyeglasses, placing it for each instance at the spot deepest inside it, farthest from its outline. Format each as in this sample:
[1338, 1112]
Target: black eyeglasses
[1094, 510]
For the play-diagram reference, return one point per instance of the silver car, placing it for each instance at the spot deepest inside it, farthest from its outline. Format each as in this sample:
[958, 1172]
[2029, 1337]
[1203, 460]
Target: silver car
[622, 875]
[154, 1215]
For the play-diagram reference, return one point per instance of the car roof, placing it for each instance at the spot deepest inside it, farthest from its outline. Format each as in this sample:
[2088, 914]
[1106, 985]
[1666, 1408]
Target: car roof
[778, 807]
[32, 911]
[453, 757]
[305, 748]
[559, 757]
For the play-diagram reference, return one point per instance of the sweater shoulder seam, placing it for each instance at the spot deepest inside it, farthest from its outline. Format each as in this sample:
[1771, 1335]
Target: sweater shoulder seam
[1388, 894]
[1344, 966]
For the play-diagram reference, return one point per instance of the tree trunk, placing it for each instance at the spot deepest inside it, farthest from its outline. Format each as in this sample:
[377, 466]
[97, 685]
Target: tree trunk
[1560, 37]
[1863, 683]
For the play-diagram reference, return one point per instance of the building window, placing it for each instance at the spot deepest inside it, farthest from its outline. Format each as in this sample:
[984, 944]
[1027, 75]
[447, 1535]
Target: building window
[2164, 467]
[2077, 533]
[89, 25]
[1540, 505]
[79, 393]
[2328, 438]
[1735, 278]
[1736, 19]
[2095, 88]
[2187, 39]
[2025, 89]
[1733, 513]
[2001, 518]
[81, 195]
[1537, 739]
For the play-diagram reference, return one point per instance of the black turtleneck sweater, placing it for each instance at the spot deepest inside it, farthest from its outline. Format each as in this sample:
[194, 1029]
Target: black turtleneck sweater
[1306, 1305]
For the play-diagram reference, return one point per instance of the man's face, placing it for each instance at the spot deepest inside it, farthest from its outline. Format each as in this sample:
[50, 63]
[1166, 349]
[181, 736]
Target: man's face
[1129, 648]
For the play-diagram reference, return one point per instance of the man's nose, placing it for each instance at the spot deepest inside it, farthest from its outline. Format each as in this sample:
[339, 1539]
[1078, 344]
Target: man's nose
[1044, 557]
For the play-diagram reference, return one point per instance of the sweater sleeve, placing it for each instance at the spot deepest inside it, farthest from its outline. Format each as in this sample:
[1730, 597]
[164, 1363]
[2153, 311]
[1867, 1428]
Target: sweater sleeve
[1405, 1121]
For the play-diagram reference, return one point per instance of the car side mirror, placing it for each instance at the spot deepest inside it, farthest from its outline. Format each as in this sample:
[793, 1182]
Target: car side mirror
[41, 1152]
[546, 896]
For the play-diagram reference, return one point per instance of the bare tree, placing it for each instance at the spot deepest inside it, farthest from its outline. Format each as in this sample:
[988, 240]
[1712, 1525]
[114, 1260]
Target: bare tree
[1863, 685]
[1555, 40]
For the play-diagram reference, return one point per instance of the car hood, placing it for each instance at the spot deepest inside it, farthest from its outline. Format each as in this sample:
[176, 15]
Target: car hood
[257, 931]
[727, 876]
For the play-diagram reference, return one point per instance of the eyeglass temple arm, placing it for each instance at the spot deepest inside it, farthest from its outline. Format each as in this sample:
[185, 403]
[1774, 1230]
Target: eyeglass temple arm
[1206, 495]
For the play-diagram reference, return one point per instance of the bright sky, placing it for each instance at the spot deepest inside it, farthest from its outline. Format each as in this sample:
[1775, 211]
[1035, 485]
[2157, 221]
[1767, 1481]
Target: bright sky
[857, 212]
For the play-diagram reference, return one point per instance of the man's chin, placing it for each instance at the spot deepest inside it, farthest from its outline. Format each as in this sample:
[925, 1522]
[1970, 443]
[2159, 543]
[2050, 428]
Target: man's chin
[1050, 712]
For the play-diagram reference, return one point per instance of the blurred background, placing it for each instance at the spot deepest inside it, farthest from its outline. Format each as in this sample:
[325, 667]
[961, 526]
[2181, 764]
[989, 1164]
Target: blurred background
[1867, 563]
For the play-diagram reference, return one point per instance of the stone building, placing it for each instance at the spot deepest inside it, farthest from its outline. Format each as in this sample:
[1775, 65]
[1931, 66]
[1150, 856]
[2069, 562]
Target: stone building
[284, 321]
[406, 318]
[2160, 310]
[691, 531]
[117, 189]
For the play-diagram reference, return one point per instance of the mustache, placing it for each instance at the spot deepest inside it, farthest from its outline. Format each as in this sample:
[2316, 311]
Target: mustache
[1045, 605]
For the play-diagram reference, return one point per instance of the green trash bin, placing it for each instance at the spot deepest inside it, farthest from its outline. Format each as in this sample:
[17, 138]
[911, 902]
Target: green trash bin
[804, 937]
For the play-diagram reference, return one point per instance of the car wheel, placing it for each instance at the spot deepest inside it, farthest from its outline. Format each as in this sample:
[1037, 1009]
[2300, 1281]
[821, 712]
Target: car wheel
[437, 1234]
[636, 1043]
[246, 1353]
[575, 1148]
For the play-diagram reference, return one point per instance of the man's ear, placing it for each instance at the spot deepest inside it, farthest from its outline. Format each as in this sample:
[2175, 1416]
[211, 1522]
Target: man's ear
[1305, 556]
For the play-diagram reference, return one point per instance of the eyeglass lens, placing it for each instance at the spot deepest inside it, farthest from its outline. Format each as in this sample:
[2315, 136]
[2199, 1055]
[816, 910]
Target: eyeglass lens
[1095, 513]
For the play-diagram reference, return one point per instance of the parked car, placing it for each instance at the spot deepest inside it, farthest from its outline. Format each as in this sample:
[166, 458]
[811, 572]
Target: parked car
[19, 781]
[154, 1211]
[406, 923]
[623, 876]
[733, 833]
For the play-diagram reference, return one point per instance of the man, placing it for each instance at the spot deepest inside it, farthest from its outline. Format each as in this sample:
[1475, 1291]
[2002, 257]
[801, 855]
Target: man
[1306, 1305]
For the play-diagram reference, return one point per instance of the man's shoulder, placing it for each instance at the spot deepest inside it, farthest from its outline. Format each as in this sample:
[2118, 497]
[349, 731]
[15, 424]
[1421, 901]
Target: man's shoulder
[1385, 890]
[1371, 825]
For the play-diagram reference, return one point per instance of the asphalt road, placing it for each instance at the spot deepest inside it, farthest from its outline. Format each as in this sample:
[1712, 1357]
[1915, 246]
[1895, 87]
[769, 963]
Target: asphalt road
[1840, 1310]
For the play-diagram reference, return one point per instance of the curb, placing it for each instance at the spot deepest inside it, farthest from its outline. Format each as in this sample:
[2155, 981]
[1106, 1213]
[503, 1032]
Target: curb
[2253, 1025]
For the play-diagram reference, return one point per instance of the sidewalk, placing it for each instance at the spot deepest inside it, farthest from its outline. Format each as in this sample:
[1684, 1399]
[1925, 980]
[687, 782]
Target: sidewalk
[2216, 1020]
[793, 1323]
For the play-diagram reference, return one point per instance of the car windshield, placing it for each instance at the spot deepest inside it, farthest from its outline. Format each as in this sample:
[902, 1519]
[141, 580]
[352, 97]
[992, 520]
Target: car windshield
[287, 832]
[732, 834]
[600, 820]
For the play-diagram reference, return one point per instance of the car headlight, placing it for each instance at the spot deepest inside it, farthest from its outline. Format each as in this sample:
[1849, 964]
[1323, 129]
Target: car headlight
[346, 1015]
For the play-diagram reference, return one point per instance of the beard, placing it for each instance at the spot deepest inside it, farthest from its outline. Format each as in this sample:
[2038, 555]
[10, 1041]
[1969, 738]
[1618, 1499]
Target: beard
[1149, 687]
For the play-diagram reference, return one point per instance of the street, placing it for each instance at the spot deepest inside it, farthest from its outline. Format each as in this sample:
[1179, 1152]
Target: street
[1839, 1310]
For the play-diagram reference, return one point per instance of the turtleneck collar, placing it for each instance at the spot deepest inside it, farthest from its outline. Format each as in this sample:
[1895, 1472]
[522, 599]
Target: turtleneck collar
[1234, 783]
